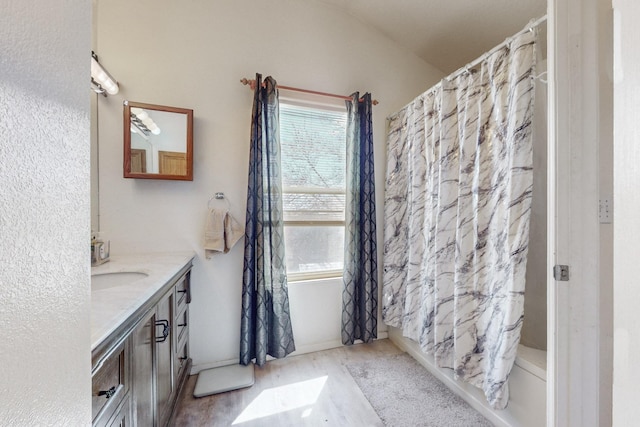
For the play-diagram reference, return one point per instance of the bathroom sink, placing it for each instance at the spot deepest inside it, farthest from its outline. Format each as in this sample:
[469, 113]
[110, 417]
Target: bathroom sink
[111, 280]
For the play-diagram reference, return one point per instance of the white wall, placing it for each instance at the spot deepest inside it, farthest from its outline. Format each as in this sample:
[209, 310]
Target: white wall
[626, 410]
[192, 55]
[534, 327]
[45, 211]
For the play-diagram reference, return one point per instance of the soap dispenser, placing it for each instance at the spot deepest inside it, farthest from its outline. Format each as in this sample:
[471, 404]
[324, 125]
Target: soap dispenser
[99, 250]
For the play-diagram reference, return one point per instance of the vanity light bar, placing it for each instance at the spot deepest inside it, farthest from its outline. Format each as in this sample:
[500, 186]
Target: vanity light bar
[135, 129]
[135, 121]
[139, 127]
[141, 119]
[101, 80]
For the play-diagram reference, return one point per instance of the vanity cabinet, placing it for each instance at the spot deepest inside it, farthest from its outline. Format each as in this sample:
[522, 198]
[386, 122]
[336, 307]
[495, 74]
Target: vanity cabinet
[144, 364]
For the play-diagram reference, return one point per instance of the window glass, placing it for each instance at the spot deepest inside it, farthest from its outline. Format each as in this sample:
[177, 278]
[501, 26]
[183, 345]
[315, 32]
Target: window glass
[313, 147]
[313, 249]
[313, 179]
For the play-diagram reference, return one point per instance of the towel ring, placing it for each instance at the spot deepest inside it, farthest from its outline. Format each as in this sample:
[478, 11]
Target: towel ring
[218, 196]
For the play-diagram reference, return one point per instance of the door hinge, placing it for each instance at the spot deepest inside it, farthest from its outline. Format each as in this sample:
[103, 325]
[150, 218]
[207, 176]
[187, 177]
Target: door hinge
[561, 273]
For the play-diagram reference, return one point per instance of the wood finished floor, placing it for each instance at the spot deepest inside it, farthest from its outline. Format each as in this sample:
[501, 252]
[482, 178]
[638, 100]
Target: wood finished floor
[312, 389]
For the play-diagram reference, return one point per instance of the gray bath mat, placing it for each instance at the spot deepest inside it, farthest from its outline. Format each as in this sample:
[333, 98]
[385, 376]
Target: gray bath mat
[404, 393]
[224, 378]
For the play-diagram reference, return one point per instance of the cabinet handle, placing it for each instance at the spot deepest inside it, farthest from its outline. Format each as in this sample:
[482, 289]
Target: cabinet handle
[182, 325]
[188, 294]
[165, 330]
[186, 288]
[107, 393]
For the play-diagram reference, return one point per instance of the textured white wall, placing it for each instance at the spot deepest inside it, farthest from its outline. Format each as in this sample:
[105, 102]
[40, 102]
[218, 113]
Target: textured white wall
[626, 227]
[44, 220]
[192, 55]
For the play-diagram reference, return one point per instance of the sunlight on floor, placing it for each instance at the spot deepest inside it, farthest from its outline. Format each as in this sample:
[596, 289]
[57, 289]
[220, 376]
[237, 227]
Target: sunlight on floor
[284, 398]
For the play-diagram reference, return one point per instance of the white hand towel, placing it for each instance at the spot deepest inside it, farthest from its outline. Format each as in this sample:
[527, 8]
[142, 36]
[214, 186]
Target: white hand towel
[221, 232]
[214, 232]
[233, 232]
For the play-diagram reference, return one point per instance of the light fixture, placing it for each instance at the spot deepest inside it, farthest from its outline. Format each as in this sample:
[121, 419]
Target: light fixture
[145, 124]
[101, 80]
[135, 129]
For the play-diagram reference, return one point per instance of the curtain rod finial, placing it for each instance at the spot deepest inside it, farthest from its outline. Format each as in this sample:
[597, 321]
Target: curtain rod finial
[251, 83]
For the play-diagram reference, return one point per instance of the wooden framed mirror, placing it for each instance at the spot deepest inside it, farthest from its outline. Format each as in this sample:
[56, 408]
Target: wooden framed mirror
[158, 142]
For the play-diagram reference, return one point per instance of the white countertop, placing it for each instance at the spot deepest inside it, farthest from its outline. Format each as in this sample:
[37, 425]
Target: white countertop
[110, 307]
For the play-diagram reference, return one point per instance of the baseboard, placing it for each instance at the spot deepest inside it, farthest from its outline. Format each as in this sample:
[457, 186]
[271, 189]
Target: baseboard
[470, 394]
[311, 348]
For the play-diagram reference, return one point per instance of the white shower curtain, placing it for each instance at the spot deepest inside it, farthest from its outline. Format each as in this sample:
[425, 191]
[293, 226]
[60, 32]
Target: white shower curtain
[457, 206]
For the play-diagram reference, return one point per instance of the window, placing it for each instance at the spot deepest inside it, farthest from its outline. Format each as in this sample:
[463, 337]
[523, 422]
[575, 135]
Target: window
[312, 138]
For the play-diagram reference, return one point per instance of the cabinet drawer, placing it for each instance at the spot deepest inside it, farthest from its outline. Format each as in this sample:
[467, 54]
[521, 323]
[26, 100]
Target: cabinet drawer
[109, 384]
[182, 355]
[122, 417]
[182, 325]
[183, 292]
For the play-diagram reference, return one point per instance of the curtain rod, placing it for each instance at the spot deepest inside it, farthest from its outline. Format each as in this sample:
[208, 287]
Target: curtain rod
[530, 26]
[252, 84]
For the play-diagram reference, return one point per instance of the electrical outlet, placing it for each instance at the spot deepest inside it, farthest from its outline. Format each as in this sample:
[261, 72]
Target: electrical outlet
[605, 211]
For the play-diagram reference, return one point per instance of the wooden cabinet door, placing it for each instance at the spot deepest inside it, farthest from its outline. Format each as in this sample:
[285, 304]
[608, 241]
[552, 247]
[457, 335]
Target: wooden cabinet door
[142, 340]
[164, 361]
[172, 163]
[138, 160]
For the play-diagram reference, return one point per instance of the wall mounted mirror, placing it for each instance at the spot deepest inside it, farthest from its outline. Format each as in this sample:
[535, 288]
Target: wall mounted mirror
[158, 142]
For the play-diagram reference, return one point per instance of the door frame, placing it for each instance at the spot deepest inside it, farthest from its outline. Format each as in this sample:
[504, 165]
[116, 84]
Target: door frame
[575, 368]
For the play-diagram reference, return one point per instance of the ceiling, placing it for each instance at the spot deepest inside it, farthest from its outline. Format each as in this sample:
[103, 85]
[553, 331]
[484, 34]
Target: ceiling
[446, 33]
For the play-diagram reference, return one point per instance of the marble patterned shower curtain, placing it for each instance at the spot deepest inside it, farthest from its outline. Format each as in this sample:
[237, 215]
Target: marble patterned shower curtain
[457, 207]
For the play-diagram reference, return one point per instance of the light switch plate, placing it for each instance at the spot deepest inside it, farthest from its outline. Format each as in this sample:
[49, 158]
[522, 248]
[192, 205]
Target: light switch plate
[605, 211]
